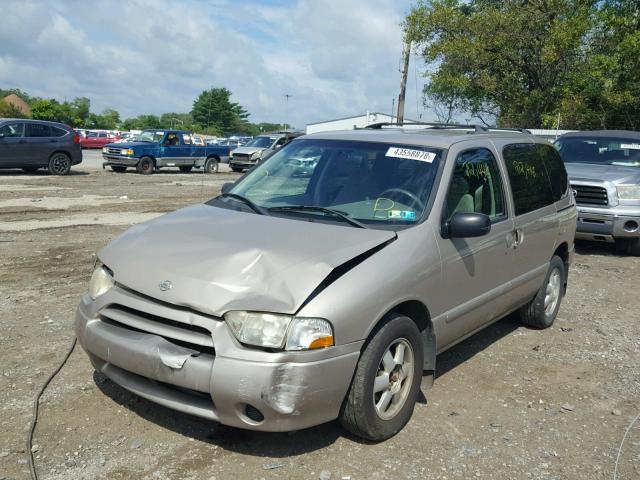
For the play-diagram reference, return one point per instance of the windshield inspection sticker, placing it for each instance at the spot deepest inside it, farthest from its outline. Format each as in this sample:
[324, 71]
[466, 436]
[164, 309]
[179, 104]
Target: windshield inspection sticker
[411, 154]
[402, 215]
[630, 146]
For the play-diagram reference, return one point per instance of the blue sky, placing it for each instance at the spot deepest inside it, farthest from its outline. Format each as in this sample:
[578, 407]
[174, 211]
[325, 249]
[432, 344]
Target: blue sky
[335, 57]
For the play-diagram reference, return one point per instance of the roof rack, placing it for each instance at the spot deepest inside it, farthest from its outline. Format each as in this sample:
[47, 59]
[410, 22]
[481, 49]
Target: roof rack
[443, 126]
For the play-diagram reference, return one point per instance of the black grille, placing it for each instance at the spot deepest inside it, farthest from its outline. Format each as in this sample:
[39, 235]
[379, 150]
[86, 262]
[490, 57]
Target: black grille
[588, 195]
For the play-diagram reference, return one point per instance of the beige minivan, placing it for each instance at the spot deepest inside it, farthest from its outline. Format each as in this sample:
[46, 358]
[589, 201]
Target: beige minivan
[324, 288]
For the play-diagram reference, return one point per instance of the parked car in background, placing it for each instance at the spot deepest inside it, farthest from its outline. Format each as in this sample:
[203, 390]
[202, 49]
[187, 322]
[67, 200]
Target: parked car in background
[34, 144]
[154, 149]
[604, 170]
[98, 139]
[247, 156]
[292, 301]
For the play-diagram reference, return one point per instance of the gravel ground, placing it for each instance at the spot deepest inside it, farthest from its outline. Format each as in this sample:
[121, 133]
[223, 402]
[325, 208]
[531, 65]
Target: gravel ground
[508, 403]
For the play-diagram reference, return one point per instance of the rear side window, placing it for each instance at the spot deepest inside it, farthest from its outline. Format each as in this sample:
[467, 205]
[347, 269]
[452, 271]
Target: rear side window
[12, 130]
[529, 181]
[58, 132]
[555, 169]
[476, 185]
[38, 130]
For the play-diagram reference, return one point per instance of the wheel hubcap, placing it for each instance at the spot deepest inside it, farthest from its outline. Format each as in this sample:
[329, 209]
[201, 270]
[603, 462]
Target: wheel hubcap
[393, 379]
[552, 294]
[59, 163]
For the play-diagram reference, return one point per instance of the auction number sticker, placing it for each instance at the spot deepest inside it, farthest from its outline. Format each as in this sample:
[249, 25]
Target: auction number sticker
[399, 152]
[630, 146]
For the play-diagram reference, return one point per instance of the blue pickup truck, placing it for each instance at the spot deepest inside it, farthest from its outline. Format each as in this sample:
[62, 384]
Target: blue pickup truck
[152, 150]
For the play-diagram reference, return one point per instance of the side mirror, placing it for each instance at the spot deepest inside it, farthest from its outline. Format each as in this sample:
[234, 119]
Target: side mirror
[466, 225]
[226, 187]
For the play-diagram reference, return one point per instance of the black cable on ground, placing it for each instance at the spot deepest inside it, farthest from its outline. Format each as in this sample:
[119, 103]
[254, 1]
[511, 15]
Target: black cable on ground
[36, 403]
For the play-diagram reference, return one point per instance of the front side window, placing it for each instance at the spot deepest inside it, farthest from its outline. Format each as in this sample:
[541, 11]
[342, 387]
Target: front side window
[376, 184]
[476, 186]
[600, 150]
[529, 180]
[12, 130]
[38, 130]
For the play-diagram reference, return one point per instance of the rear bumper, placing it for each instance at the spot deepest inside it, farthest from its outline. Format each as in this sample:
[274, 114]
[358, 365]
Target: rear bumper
[291, 390]
[608, 225]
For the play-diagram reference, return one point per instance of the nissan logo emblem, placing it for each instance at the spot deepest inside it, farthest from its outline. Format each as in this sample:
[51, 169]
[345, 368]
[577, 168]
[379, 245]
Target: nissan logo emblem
[165, 285]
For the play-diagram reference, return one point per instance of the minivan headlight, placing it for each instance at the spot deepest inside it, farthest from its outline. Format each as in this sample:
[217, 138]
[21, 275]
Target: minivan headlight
[628, 192]
[101, 281]
[272, 330]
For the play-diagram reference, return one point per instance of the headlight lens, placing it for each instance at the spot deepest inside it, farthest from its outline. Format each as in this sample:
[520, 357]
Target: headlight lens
[309, 334]
[255, 155]
[628, 192]
[101, 281]
[105, 149]
[272, 330]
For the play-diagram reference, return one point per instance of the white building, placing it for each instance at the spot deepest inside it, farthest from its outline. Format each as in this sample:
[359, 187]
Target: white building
[349, 123]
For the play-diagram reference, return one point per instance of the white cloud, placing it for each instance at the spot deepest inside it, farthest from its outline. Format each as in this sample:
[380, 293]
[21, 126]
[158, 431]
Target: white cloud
[140, 56]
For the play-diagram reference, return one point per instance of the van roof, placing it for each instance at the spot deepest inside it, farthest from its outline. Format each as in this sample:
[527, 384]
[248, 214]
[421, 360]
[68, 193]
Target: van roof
[439, 138]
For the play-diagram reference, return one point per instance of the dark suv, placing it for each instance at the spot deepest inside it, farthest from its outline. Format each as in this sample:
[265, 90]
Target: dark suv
[34, 144]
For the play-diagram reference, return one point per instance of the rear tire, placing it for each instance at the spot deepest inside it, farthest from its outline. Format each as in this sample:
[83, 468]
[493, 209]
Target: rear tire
[145, 166]
[211, 165]
[186, 169]
[386, 382]
[59, 164]
[542, 310]
[118, 168]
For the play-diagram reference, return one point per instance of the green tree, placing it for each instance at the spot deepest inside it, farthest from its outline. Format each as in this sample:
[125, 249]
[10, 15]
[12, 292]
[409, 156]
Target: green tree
[513, 61]
[215, 114]
[46, 109]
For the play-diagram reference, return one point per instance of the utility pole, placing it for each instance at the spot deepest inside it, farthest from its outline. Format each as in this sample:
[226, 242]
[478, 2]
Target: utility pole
[286, 109]
[406, 52]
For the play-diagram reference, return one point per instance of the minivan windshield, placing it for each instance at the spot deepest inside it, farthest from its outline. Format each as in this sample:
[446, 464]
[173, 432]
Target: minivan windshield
[260, 142]
[600, 150]
[375, 184]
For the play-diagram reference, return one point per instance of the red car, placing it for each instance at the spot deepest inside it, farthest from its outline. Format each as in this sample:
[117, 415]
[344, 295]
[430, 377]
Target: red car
[97, 139]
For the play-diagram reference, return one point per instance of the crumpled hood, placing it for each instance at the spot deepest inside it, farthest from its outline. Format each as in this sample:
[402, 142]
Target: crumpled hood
[615, 174]
[247, 150]
[219, 259]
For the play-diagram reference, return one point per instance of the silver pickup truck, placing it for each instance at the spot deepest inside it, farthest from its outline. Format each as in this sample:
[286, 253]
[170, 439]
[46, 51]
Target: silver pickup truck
[604, 171]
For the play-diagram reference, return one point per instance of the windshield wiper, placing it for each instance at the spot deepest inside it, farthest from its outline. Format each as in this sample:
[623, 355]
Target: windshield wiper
[311, 208]
[246, 201]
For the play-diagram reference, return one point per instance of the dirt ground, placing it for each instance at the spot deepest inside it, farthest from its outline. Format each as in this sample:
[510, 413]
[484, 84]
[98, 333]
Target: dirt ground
[508, 403]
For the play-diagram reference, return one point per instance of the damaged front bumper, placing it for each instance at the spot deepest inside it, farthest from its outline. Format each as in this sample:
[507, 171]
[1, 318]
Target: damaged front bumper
[191, 362]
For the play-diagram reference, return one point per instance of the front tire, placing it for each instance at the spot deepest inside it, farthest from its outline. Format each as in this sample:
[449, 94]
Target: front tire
[211, 165]
[59, 164]
[145, 166]
[386, 383]
[542, 310]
